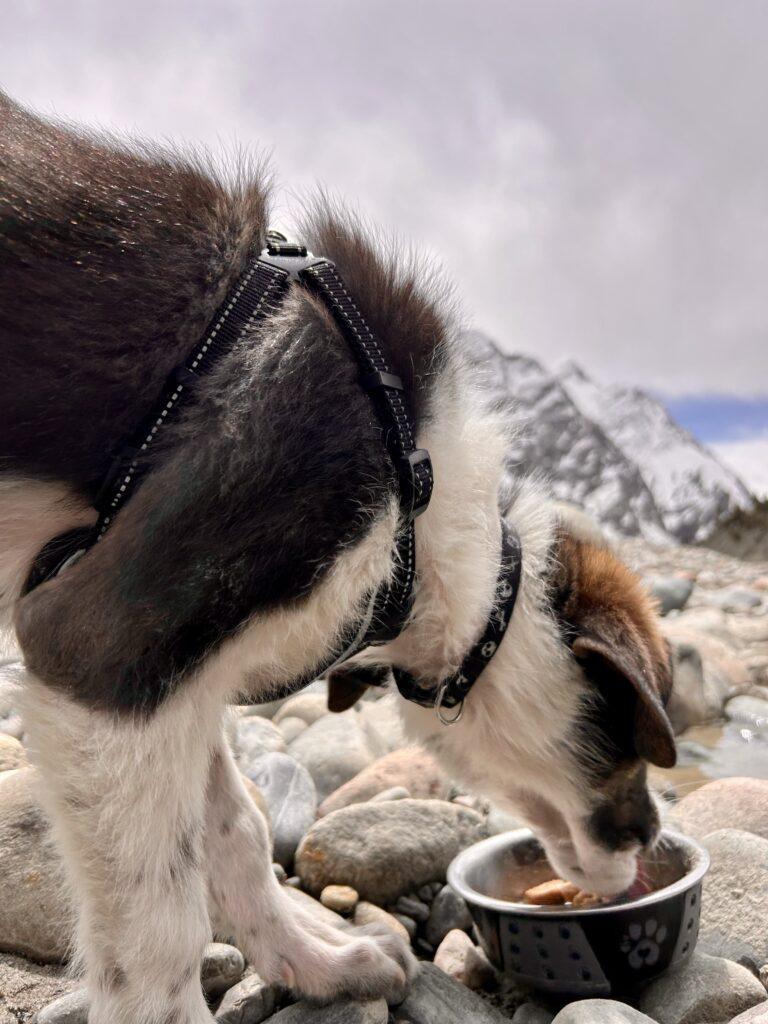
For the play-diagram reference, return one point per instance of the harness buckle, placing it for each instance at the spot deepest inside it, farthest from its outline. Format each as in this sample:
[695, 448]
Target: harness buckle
[416, 479]
[292, 259]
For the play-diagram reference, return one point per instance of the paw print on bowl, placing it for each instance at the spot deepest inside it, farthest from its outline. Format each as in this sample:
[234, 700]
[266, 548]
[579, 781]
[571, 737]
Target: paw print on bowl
[642, 944]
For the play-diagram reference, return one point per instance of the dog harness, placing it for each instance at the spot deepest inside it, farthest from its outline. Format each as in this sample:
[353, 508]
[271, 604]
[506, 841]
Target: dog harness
[256, 295]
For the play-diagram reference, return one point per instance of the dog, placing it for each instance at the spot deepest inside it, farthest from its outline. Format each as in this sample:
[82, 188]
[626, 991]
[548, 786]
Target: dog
[267, 516]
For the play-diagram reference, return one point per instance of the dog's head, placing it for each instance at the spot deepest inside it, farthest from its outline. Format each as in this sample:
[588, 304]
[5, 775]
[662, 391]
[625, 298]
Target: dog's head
[562, 726]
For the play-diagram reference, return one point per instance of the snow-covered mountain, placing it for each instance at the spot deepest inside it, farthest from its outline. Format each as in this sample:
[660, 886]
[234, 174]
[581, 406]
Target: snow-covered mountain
[616, 452]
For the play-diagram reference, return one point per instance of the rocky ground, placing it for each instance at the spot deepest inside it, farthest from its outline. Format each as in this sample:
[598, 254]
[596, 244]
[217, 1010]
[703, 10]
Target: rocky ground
[365, 826]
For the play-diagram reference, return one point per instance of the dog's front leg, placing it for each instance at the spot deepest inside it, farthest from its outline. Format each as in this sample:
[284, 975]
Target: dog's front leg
[283, 941]
[127, 799]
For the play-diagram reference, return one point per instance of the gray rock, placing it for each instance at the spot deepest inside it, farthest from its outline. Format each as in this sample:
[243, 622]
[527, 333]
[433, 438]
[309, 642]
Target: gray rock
[314, 907]
[530, 1013]
[291, 728]
[35, 917]
[69, 1009]
[222, 968]
[757, 1015]
[250, 1001]
[435, 998]
[448, 911]
[409, 924]
[736, 599]
[280, 873]
[348, 1012]
[748, 710]
[734, 906]
[385, 850]
[256, 737]
[463, 961]
[305, 705]
[369, 913]
[289, 792]
[671, 593]
[600, 1011]
[706, 990]
[410, 767]
[333, 749]
[740, 803]
[412, 907]
[395, 793]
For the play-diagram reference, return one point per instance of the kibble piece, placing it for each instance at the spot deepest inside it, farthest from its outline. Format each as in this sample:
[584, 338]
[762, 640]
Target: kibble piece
[551, 893]
[585, 899]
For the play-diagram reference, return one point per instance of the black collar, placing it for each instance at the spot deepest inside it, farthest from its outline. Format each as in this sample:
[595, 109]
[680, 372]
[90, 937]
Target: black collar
[452, 691]
[257, 294]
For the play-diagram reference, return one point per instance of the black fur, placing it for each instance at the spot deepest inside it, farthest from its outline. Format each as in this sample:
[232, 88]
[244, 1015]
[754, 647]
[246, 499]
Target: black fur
[112, 264]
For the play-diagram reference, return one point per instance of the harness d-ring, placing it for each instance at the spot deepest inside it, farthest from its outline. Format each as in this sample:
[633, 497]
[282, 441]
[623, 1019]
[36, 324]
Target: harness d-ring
[439, 706]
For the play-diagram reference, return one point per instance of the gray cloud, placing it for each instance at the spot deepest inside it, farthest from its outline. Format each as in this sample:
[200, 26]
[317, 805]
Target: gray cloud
[592, 173]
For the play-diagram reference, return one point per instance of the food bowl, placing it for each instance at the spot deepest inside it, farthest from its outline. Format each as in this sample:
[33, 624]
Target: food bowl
[600, 950]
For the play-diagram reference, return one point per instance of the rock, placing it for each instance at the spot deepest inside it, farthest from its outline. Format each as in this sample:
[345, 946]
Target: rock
[333, 749]
[26, 988]
[461, 960]
[385, 850]
[748, 710]
[12, 754]
[723, 674]
[341, 898]
[280, 873]
[599, 1011]
[69, 1009]
[306, 706]
[369, 913]
[449, 911]
[498, 820]
[381, 723]
[290, 795]
[314, 907]
[412, 768]
[12, 725]
[35, 918]
[671, 593]
[435, 998]
[413, 908]
[757, 1015]
[250, 1001]
[346, 1012]
[395, 793]
[256, 737]
[258, 798]
[409, 924]
[736, 599]
[734, 906]
[740, 803]
[706, 990]
[530, 1013]
[222, 968]
[291, 728]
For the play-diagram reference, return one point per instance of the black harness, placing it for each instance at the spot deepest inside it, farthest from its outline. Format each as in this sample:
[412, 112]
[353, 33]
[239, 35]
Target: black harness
[256, 295]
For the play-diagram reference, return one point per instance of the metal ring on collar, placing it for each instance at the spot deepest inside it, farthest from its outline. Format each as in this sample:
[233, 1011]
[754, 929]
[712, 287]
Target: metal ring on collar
[439, 706]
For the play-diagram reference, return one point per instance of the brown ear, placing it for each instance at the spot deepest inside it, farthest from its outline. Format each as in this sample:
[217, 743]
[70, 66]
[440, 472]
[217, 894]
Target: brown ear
[605, 656]
[348, 683]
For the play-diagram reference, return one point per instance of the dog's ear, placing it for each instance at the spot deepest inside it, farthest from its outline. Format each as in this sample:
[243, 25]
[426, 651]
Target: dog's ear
[347, 683]
[613, 629]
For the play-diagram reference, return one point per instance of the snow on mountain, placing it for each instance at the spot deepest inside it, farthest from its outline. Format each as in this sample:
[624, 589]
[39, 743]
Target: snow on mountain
[614, 452]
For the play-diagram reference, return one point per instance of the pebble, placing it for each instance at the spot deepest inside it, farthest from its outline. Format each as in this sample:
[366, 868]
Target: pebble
[748, 710]
[346, 1012]
[671, 593]
[740, 803]
[291, 728]
[280, 873]
[734, 906]
[289, 792]
[333, 750]
[314, 907]
[706, 990]
[341, 898]
[412, 907]
[757, 1015]
[12, 754]
[395, 793]
[411, 768]
[600, 1011]
[256, 737]
[69, 1009]
[434, 998]
[223, 967]
[461, 960]
[308, 707]
[427, 893]
[386, 850]
[736, 599]
[369, 913]
[531, 1013]
[409, 924]
[34, 914]
[448, 912]
[250, 1001]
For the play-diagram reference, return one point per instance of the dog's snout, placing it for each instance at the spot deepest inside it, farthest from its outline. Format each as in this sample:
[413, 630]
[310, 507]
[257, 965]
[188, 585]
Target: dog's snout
[617, 827]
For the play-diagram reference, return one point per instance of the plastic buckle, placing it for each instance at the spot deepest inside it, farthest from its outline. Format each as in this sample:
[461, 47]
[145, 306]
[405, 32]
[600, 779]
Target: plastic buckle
[414, 490]
[381, 379]
[292, 259]
[119, 465]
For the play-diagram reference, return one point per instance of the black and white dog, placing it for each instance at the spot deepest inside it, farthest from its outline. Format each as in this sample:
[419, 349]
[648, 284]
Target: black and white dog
[267, 517]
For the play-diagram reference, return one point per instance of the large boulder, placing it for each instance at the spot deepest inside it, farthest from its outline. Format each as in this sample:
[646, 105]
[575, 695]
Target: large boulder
[413, 768]
[600, 1011]
[738, 803]
[706, 673]
[35, 916]
[385, 850]
[706, 990]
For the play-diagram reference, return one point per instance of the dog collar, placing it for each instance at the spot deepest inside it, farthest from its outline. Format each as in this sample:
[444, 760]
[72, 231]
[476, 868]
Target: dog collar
[451, 692]
[256, 295]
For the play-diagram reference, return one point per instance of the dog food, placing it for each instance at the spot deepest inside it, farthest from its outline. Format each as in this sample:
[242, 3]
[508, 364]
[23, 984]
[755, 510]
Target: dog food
[558, 892]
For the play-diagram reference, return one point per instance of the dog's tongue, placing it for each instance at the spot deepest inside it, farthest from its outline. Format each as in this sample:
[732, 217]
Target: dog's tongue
[641, 886]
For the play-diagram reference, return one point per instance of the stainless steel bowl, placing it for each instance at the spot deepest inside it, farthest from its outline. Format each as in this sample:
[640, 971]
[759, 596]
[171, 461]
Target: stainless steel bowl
[588, 951]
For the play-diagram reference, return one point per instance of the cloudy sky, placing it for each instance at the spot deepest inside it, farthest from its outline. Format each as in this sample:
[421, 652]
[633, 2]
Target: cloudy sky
[591, 173]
